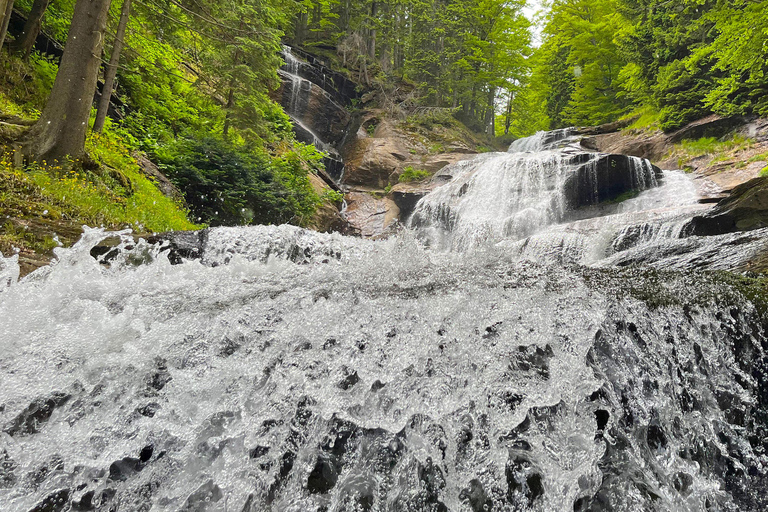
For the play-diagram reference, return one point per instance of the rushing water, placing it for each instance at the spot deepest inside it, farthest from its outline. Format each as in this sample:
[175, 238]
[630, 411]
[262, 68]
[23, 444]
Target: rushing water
[287, 370]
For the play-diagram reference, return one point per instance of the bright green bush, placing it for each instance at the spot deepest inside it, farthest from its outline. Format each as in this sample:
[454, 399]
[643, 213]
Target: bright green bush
[227, 185]
[410, 175]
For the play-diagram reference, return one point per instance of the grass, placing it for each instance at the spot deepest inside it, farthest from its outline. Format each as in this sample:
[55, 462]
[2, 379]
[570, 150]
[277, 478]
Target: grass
[762, 157]
[410, 175]
[712, 145]
[721, 150]
[55, 199]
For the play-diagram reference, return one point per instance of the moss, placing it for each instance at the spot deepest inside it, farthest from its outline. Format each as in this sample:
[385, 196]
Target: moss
[659, 289]
[631, 194]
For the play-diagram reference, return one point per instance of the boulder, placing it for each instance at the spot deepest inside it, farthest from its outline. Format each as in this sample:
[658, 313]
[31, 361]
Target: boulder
[328, 217]
[370, 216]
[372, 162]
[745, 209]
[152, 171]
[600, 178]
[407, 195]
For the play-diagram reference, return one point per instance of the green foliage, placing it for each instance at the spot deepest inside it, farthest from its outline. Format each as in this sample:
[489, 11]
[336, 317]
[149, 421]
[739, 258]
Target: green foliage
[713, 146]
[459, 55]
[332, 196]
[681, 59]
[410, 175]
[227, 185]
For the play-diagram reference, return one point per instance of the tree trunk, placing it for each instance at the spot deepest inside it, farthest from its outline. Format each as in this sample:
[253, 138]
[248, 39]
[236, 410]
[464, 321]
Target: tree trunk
[491, 112]
[372, 39]
[26, 40]
[8, 8]
[61, 129]
[111, 72]
[508, 121]
[230, 105]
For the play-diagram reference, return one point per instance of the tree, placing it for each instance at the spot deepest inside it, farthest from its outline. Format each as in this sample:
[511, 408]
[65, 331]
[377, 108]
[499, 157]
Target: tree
[6, 7]
[61, 130]
[111, 71]
[32, 27]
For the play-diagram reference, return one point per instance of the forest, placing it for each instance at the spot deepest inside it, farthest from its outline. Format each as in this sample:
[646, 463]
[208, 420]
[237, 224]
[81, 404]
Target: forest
[671, 61]
[191, 85]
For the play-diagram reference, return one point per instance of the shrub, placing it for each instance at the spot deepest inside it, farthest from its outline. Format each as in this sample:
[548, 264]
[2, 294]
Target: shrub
[226, 185]
[410, 174]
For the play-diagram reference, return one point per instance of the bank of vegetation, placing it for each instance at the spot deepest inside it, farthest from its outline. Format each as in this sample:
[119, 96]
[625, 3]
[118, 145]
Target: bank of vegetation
[667, 61]
[87, 86]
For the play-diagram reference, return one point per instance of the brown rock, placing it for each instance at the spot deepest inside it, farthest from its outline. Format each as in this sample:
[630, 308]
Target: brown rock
[328, 216]
[380, 159]
[370, 216]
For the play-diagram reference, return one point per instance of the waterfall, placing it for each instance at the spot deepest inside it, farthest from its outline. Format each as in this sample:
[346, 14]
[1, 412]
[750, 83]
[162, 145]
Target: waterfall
[542, 141]
[524, 369]
[297, 97]
[511, 196]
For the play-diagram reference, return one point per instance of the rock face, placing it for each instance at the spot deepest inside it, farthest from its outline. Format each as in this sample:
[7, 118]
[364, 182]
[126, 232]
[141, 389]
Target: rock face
[745, 209]
[316, 114]
[380, 159]
[606, 177]
[370, 216]
[328, 217]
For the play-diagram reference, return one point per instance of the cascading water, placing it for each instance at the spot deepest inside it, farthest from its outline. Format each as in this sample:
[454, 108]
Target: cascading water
[296, 101]
[511, 196]
[287, 370]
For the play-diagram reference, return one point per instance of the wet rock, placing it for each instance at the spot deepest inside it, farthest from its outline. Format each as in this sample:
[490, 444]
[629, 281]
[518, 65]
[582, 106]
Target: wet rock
[603, 177]
[656, 438]
[315, 112]
[523, 481]
[407, 195]
[533, 359]
[146, 453]
[477, 497]
[84, 502]
[204, 498]
[31, 419]
[377, 386]
[602, 416]
[432, 482]
[181, 245]
[42, 472]
[329, 463]
[157, 380]
[149, 410]
[745, 209]
[349, 381]
[54, 502]
[8, 469]
[258, 452]
[125, 468]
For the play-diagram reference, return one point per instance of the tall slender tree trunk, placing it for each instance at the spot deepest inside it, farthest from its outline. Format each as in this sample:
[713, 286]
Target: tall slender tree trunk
[111, 71]
[231, 95]
[372, 38]
[7, 11]
[62, 127]
[32, 27]
[230, 105]
[508, 120]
